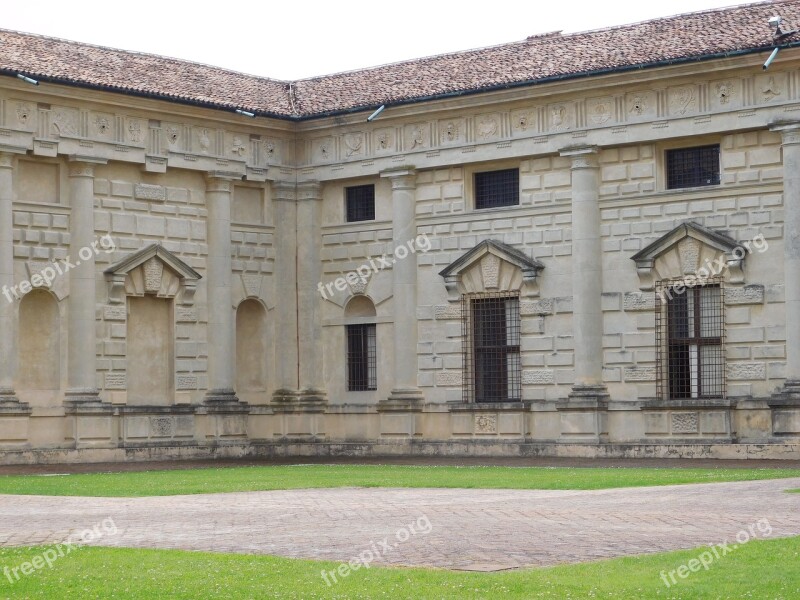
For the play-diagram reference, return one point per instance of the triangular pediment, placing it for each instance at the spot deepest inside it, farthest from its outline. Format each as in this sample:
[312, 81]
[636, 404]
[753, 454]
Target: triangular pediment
[152, 270]
[689, 249]
[499, 249]
[492, 266]
[140, 257]
[704, 235]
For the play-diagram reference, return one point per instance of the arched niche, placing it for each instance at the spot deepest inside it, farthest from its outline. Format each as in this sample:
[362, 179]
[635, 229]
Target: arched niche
[39, 342]
[251, 346]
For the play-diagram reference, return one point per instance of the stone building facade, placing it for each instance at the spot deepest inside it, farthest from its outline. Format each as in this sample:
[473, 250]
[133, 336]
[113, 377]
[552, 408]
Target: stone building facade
[593, 261]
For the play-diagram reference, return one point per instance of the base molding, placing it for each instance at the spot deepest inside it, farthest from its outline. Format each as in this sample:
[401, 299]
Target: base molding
[404, 447]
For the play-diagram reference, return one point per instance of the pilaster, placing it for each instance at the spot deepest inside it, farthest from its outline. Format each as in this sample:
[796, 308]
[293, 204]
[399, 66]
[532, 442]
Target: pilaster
[221, 351]
[81, 325]
[309, 273]
[404, 288]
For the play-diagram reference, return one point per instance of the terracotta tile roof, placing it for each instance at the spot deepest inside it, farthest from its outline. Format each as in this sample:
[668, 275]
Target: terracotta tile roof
[137, 73]
[691, 36]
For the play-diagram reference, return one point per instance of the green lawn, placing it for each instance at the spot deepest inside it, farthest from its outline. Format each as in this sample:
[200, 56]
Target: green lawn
[237, 479]
[759, 569]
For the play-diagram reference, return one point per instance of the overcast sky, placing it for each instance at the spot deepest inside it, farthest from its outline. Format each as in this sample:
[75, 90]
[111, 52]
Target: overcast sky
[297, 39]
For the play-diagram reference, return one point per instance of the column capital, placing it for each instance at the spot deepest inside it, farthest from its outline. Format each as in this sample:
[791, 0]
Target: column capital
[218, 184]
[284, 190]
[583, 157]
[402, 179]
[309, 190]
[6, 160]
[789, 130]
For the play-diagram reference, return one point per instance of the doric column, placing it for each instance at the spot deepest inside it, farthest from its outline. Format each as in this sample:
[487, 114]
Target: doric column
[404, 286]
[81, 326]
[587, 274]
[8, 350]
[221, 351]
[309, 272]
[286, 367]
[790, 133]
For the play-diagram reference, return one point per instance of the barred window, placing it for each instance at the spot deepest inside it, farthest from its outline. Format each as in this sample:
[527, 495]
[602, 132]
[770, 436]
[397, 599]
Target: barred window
[361, 358]
[497, 188]
[360, 201]
[690, 336]
[692, 167]
[491, 333]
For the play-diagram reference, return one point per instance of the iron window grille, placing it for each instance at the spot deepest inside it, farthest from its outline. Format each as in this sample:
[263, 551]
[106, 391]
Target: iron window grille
[497, 188]
[690, 340]
[491, 338]
[692, 167]
[360, 201]
[361, 358]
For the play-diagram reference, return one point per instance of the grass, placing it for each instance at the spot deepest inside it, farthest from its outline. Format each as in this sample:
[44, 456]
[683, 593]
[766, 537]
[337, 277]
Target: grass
[758, 569]
[239, 479]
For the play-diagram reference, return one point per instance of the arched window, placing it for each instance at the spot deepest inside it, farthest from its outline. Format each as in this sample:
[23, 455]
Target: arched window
[361, 339]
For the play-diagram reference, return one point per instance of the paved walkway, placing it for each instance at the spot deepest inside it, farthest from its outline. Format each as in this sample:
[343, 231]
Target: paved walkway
[456, 529]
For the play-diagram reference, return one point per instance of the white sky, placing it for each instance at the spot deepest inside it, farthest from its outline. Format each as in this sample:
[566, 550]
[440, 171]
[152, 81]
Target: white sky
[293, 40]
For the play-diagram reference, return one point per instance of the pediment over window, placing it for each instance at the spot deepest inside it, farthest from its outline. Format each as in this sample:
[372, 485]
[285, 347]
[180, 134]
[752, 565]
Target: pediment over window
[152, 270]
[690, 250]
[492, 266]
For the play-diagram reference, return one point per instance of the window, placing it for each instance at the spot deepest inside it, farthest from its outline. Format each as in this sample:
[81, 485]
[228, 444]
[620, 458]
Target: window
[491, 327]
[497, 188]
[361, 358]
[360, 203]
[692, 167]
[690, 330]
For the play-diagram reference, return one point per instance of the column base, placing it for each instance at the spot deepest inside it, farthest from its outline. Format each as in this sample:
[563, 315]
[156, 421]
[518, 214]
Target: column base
[587, 396]
[584, 414]
[82, 396]
[788, 396]
[403, 399]
[225, 396]
[9, 403]
[313, 396]
[286, 396]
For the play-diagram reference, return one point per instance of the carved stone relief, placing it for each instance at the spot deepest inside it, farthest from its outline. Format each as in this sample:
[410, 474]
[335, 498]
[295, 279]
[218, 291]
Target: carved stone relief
[416, 136]
[487, 127]
[383, 140]
[485, 423]
[724, 92]
[135, 131]
[682, 100]
[640, 104]
[354, 142]
[102, 125]
[450, 132]
[770, 86]
[64, 121]
[204, 140]
[598, 110]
